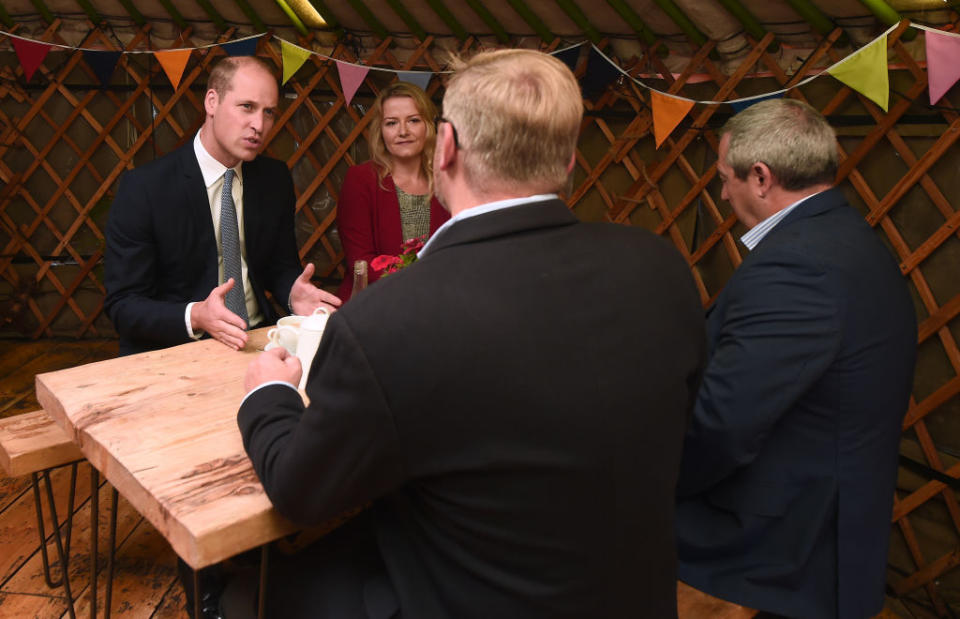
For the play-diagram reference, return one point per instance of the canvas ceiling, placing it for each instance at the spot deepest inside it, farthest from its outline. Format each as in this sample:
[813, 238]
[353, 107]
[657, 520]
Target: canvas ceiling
[710, 17]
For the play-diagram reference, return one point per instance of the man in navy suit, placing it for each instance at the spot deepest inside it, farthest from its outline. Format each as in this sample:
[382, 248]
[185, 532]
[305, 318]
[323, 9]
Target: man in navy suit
[164, 271]
[789, 464]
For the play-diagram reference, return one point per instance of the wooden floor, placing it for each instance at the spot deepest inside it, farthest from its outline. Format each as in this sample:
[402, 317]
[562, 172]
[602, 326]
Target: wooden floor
[145, 582]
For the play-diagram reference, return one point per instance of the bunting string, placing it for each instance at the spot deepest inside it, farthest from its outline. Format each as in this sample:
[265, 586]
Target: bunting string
[865, 70]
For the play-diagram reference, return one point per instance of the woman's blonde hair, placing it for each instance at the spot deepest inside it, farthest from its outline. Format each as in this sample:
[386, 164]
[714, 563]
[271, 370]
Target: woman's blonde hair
[378, 149]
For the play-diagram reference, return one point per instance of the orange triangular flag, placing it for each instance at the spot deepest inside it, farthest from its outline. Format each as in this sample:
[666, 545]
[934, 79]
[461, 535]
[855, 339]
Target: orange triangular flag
[668, 111]
[174, 62]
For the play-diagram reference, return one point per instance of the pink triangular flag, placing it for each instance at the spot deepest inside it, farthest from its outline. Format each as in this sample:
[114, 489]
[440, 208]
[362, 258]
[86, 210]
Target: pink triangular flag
[943, 70]
[351, 76]
[30, 54]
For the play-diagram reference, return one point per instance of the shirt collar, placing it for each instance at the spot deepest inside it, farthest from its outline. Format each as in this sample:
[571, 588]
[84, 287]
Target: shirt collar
[481, 209]
[211, 169]
[753, 236]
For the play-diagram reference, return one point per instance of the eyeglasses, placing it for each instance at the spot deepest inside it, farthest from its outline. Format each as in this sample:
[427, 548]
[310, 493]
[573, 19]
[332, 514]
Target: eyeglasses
[441, 119]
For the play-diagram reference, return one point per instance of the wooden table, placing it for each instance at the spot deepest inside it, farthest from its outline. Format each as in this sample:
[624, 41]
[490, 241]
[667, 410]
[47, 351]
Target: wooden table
[161, 427]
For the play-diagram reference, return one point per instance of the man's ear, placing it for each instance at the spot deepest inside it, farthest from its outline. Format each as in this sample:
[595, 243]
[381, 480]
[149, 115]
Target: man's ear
[573, 162]
[210, 101]
[761, 178]
[446, 147]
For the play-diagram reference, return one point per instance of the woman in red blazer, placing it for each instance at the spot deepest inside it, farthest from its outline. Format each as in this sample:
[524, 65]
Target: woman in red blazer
[389, 199]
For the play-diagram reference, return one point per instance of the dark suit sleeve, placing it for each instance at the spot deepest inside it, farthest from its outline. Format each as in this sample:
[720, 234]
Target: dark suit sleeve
[340, 452]
[131, 261]
[778, 334]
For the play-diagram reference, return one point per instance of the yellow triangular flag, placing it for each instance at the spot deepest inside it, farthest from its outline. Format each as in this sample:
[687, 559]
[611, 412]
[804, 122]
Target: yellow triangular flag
[293, 58]
[667, 113]
[174, 62]
[866, 72]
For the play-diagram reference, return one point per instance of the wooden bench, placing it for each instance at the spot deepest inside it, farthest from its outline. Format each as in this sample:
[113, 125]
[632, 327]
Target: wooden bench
[33, 444]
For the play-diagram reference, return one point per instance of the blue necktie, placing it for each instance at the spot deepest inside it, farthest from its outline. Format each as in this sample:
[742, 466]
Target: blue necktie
[230, 248]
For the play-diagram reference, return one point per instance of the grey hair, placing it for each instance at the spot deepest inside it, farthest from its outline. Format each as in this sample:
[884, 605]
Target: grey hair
[792, 138]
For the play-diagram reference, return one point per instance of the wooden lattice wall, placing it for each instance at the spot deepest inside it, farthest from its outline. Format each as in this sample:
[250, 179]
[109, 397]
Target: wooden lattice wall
[64, 142]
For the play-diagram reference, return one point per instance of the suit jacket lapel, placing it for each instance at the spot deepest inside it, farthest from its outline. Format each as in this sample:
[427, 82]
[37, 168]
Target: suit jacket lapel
[198, 208]
[511, 220]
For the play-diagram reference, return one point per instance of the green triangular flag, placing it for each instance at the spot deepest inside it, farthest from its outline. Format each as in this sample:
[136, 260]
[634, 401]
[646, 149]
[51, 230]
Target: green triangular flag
[866, 72]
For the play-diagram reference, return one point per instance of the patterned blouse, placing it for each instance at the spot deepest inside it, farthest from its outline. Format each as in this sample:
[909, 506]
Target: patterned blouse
[414, 214]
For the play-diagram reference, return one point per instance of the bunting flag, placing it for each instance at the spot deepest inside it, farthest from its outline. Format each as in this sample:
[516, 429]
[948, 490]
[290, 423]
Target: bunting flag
[943, 70]
[351, 76]
[741, 104]
[243, 47]
[417, 78]
[103, 63]
[293, 58]
[174, 63]
[30, 54]
[866, 72]
[569, 57]
[600, 73]
[667, 113]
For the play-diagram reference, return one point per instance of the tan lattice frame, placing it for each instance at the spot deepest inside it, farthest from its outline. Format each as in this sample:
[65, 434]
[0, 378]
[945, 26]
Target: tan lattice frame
[320, 151]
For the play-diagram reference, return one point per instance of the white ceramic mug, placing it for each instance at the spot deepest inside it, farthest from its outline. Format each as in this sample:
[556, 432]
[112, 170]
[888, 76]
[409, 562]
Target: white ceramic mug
[283, 335]
[311, 330]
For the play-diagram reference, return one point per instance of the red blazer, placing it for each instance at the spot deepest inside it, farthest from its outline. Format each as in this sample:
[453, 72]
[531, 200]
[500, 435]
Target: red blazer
[368, 219]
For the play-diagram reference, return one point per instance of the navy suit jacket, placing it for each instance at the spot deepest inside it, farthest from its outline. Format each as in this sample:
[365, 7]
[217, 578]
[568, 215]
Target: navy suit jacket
[161, 248]
[786, 486]
[514, 403]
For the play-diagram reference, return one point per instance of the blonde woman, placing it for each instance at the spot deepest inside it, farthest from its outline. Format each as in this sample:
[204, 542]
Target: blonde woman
[389, 199]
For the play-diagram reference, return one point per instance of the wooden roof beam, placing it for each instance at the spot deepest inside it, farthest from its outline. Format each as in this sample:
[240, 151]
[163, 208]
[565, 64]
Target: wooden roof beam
[532, 20]
[750, 23]
[174, 14]
[211, 12]
[293, 17]
[682, 21]
[258, 24]
[367, 16]
[325, 13]
[448, 18]
[573, 12]
[91, 12]
[887, 15]
[822, 24]
[411, 22]
[43, 10]
[489, 20]
[630, 16]
[5, 18]
[134, 13]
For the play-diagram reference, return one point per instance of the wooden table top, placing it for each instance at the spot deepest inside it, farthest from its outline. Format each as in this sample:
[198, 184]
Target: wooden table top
[161, 427]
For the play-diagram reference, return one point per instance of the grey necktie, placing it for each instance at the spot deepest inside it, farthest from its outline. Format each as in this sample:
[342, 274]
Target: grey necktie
[230, 247]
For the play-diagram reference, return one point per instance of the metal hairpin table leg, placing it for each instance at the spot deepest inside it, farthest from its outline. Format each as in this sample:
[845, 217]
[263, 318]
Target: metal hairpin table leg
[261, 602]
[196, 594]
[64, 555]
[38, 504]
[113, 550]
[94, 534]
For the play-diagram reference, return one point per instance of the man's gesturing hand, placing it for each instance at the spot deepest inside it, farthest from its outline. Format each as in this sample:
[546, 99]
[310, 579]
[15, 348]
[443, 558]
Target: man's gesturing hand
[305, 297]
[212, 316]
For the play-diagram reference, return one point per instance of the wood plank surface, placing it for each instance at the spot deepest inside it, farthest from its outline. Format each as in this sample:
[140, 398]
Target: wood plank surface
[161, 427]
[32, 442]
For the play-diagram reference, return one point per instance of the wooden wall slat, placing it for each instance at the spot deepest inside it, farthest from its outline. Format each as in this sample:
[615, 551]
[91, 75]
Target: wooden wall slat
[626, 182]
